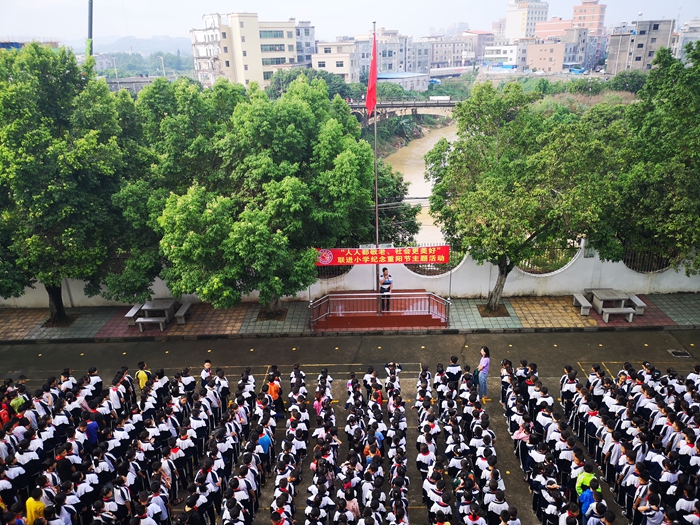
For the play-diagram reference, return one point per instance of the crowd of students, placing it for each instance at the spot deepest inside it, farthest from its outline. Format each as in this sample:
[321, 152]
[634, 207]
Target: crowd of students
[634, 433]
[148, 449]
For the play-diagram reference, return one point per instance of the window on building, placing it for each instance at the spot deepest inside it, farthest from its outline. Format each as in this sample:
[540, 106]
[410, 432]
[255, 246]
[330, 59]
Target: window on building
[321, 64]
[223, 34]
[307, 44]
[384, 54]
[247, 81]
[290, 47]
[266, 48]
[308, 57]
[651, 53]
[642, 31]
[338, 63]
[637, 59]
[648, 66]
[298, 32]
[228, 64]
[242, 24]
[391, 53]
[307, 32]
[655, 27]
[326, 49]
[242, 39]
[245, 53]
[640, 46]
[271, 34]
[225, 49]
[290, 34]
[653, 40]
[274, 61]
[245, 67]
[291, 60]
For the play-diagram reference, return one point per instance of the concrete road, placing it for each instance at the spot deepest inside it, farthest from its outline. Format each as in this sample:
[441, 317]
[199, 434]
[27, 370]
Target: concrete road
[354, 353]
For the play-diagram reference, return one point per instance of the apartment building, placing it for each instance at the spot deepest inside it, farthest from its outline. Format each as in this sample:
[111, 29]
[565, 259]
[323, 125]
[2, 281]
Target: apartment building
[590, 15]
[306, 43]
[522, 16]
[556, 27]
[339, 58]
[480, 39]
[450, 52]
[636, 46]
[392, 50]
[689, 34]
[548, 57]
[244, 49]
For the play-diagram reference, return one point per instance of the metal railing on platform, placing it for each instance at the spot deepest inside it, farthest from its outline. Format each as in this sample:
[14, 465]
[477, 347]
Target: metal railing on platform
[405, 303]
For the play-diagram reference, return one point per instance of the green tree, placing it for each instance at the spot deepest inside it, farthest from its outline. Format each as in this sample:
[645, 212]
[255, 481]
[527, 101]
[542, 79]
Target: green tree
[59, 162]
[283, 78]
[514, 180]
[658, 209]
[631, 81]
[587, 86]
[296, 178]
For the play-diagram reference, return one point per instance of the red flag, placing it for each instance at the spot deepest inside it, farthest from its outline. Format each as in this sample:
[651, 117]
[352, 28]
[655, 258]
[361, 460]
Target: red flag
[371, 99]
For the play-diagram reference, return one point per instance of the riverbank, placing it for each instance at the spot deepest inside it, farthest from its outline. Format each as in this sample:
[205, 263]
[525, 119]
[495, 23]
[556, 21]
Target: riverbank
[398, 132]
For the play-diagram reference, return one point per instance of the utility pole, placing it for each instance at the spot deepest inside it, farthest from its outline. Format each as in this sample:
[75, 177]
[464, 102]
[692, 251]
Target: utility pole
[89, 45]
[162, 64]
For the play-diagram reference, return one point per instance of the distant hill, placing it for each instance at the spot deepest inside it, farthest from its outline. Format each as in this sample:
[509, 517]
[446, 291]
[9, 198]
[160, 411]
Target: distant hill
[130, 44]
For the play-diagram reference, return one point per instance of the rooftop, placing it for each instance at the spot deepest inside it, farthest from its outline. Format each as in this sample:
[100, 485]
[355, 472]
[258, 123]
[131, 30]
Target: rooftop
[400, 75]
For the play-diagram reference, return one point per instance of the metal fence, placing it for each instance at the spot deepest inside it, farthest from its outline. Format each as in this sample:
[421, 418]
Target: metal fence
[403, 303]
[548, 259]
[331, 272]
[655, 258]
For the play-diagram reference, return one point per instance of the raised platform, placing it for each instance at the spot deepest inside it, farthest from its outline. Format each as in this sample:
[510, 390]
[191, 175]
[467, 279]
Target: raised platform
[406, 308]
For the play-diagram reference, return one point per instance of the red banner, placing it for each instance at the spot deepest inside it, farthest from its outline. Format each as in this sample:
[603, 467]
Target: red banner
[350, 256]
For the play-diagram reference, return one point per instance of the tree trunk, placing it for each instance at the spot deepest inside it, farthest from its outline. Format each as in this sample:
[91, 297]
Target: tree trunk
[504, 268]
[275, 304]
[58, 311]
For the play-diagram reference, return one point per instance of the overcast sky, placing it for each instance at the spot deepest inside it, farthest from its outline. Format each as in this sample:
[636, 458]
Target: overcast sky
[67, 19]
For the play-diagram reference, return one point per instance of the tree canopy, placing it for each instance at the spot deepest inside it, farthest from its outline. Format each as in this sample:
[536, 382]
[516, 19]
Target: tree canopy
[516, 179]
[59, 167]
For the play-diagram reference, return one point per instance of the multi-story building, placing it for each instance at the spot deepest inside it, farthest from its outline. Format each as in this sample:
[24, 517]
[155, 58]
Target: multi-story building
[689, 34]
[636, 48]
[548, 57]
[514, 55]
[419, 56]
[522, 16]
[480, 40]
[450, 52]
[556, 27]
[499, 28]
[306, 43]
[590, 15]
[243, 49]
[339, 58]
[392, 50]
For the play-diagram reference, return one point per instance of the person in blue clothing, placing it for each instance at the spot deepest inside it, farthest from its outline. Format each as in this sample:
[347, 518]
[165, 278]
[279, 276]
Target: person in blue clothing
[265, 442]
[386, 285]
[587, 498]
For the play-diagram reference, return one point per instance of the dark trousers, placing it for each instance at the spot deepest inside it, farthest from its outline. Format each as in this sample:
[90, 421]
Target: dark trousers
[386, 302]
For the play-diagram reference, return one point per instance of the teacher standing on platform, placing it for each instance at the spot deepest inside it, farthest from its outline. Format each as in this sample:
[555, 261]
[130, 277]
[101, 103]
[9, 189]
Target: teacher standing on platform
[386, 285]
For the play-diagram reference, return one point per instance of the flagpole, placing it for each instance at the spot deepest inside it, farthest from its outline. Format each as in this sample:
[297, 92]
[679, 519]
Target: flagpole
[376, 177]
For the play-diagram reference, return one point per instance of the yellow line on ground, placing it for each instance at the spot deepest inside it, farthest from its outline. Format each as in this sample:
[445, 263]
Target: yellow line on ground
[606, 367]
[581, 367]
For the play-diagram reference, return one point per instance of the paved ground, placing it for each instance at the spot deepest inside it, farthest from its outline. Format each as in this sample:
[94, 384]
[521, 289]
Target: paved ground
[527, 314]
[343, 354]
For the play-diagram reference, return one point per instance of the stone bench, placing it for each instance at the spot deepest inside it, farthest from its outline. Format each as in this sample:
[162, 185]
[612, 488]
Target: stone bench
[627, 312]
[142, 321]
[580, 300]
[637, 304]
[182, 312]
[133, 314]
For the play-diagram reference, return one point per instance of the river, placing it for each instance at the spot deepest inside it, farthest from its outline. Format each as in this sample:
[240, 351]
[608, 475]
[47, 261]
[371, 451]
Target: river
[409, 161]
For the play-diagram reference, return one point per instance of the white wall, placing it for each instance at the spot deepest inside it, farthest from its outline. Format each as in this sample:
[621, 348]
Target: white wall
[467, 280]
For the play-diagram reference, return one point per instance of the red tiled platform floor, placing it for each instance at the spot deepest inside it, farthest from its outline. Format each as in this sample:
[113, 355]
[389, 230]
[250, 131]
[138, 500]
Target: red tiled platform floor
[653, 316]
[203, 320]
[359, 311]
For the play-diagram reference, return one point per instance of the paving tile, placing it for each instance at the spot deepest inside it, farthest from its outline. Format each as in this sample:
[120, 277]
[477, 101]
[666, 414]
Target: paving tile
[682, 308]
[550, 312]
[653, 316]
[297, 320]
[464, 315]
